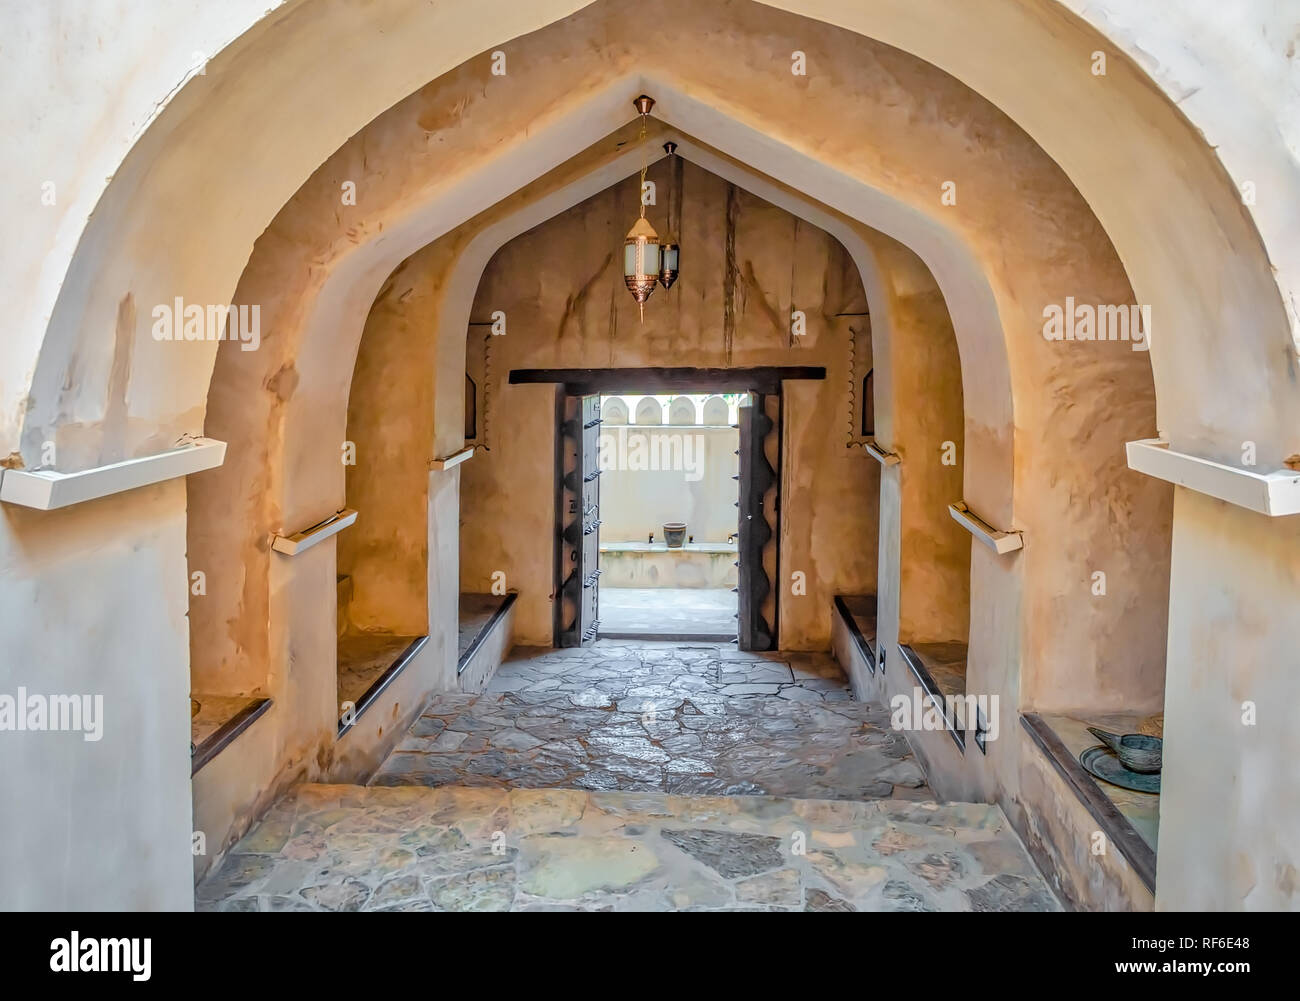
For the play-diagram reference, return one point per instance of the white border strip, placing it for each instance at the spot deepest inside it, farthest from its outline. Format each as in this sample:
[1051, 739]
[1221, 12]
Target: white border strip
[1000, 542]
[1275, 494]
[880, 455]
[292, 545]
[447, 462]
[46, 489]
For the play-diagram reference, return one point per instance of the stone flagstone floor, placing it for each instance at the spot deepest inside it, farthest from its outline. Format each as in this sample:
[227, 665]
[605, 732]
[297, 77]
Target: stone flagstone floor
[637, 776]
[663, 717]
[338, 848]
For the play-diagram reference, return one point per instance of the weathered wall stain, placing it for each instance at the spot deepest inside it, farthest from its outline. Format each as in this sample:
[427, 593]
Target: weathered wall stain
[573, 305]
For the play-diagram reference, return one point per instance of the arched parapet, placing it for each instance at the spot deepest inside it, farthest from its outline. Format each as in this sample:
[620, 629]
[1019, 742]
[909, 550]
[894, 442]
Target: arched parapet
[613, 412]
[681, 411]
[716, 412]
[649, 412]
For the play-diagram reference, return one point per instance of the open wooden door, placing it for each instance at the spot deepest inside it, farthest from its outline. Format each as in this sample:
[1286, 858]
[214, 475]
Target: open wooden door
[758, 527]
[577, 601]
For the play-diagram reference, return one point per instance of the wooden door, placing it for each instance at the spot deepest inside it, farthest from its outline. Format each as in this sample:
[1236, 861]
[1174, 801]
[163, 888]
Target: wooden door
[577, 618]
[757, 527]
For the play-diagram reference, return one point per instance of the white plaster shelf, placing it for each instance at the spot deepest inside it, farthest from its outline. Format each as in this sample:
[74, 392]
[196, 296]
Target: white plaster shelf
[882, 456]
[449, 461]
[1275, 494]
[1000, 542]
[46, 489]
[292, 545]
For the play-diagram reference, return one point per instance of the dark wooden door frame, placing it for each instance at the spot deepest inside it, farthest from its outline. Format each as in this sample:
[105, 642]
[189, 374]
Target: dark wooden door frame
[557, 563]
[577, 519]
[579, 382]
[652, 381]
[756, 477]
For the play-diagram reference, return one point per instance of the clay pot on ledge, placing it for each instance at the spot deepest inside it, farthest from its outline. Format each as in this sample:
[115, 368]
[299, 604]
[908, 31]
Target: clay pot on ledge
[674, 533]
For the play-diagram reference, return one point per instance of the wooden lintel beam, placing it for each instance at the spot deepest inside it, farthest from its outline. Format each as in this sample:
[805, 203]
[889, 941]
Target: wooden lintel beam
[610, 381]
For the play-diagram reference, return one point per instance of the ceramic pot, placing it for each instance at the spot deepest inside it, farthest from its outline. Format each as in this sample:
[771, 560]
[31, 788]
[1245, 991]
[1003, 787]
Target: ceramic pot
[674, 533]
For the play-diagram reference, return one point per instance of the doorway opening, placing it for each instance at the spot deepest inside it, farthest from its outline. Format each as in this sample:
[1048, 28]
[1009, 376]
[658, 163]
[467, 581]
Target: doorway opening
[669, 506]
[576, 605]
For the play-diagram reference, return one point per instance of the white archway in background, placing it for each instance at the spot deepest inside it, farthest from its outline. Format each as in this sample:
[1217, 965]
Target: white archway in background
[614, 411]
[716, 412]
[682, 411]
[649, 411]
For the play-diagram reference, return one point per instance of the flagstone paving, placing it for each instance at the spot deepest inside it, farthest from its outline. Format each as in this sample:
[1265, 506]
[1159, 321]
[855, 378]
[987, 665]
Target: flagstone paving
[637, 776]
[662, 717]
[338, 848]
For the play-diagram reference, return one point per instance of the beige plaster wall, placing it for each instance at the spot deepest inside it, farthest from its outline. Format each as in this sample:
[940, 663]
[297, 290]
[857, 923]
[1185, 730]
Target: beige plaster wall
[927, 432]
[507, 512]
[390, 421]
[829, 504]
[100, 824]
[1230, 803]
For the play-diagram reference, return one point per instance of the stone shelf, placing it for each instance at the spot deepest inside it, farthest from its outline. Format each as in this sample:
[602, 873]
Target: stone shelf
[662, 547]
[1130, 820]
[479, 614]
[1141, 809]
[858, 612]
[485, 627]
[220, 720]
[940, 670]
[367, 664]
[654, 565]
[669, 427]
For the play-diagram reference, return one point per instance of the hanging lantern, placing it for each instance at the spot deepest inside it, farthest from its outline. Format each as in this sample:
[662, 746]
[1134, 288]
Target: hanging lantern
[641, 248]
[670, 253]
[641, 259]
[668, 258]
